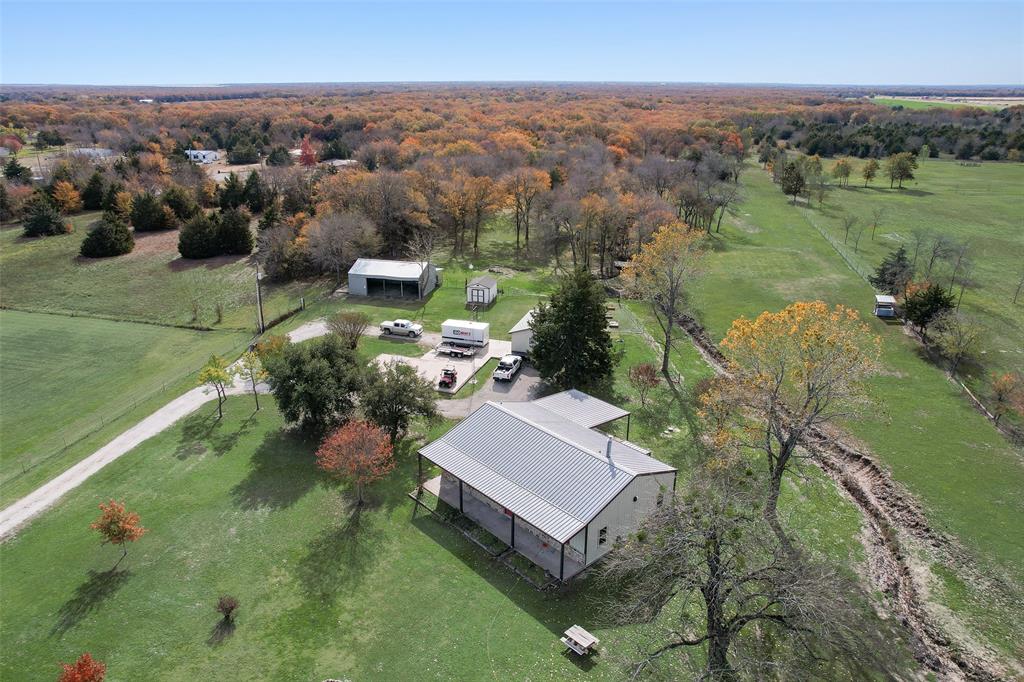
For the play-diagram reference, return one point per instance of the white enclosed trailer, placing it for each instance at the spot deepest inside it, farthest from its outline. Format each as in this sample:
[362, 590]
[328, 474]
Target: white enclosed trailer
[466, 332]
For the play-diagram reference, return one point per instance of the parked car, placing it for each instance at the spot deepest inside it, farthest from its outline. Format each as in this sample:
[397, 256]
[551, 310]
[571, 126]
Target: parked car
[507, 368]
[455, 350]
[401, 328]
[885, 306]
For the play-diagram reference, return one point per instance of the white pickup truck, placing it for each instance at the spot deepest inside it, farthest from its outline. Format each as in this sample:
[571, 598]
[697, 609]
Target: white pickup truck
[401, 328]
[507, 368]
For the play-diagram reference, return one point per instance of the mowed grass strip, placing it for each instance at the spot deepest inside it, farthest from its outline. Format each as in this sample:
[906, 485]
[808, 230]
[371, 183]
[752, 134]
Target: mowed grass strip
[969, 479]
[63, 378]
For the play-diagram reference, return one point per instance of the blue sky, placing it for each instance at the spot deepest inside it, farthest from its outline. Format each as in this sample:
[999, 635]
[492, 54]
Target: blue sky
[226, 41]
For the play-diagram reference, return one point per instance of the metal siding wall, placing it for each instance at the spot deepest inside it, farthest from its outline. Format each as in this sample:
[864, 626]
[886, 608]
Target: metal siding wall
[357, 285]
[623, 516]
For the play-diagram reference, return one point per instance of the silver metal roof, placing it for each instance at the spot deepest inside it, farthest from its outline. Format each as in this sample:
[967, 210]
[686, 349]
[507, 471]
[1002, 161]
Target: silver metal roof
[548, 471]
[523, 324]
[581, 408]
[388, 269]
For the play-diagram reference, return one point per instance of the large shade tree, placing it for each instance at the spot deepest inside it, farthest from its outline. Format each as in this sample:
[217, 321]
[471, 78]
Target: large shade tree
[789, 374]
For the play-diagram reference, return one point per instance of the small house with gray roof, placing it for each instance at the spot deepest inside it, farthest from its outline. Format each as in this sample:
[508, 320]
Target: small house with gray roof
[542, 480]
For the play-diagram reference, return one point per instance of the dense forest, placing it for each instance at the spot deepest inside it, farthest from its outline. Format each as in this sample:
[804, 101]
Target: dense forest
[587, 173]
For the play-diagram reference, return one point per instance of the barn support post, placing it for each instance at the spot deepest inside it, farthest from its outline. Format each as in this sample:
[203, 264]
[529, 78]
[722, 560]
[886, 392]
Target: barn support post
[628, 419]
[419, 471]
[586, 540]
[460, 494]
[401, 289]
[513, 517]
[561, 565]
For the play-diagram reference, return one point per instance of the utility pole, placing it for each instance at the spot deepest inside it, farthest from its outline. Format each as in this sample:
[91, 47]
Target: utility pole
[259, 302]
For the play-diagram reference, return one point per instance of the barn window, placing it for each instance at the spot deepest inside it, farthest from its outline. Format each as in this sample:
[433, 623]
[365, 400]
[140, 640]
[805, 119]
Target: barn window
[602, 536]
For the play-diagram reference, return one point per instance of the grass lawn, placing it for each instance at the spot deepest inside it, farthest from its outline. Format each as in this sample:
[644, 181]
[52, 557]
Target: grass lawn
[151, 284]
[64, 378]
[970, 480]
[238, 508]
[982, 205]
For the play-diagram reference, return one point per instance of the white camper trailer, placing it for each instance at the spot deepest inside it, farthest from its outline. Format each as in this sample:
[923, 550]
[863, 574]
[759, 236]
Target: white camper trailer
[466, 332]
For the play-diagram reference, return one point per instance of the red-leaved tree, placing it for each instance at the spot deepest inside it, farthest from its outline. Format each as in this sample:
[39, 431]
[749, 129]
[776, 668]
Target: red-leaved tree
[307, 155]
[118, 526]
[85, 669]
[359, 452]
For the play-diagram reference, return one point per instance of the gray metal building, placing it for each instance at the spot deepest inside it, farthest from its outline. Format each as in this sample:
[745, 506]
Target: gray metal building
[539, 479]
[392, 278]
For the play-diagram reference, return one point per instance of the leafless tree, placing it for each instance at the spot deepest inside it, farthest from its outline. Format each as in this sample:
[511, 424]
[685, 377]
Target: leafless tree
[848, 222]
[957, 335]
[919, 238]
[349, 325]
[877, 214]
[337, 239]
[705, 567]
[420, 248]
[857, 234]
[1020, 286]
[957, 256]
[939, 248]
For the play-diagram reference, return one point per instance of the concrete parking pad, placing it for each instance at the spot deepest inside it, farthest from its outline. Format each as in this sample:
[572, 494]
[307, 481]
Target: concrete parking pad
[429, 366]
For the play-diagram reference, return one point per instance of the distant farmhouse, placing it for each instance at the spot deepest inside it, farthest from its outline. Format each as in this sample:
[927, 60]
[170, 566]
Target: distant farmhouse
[539, 477]
[392, 278]
[202, 155]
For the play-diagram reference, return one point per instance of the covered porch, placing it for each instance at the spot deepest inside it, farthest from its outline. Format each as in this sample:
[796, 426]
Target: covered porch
[561, 561]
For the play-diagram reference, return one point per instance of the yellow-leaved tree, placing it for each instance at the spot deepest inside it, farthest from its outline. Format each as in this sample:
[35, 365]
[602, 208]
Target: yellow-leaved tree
[789, 373]
[662, 273]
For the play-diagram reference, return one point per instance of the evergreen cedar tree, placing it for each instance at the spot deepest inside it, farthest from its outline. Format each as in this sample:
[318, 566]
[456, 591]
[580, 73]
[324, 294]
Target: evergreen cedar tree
[109, 236]
[85, 669]
[893, 273]
[92, 194]
[925, 304]
[205, 236]
[148, 214]
[117, 525]
[359, 453]
[43, 219]
[571, 344]
[315, 382]
[15, 172]
[396, 395]
[789, 372]
[181, 201]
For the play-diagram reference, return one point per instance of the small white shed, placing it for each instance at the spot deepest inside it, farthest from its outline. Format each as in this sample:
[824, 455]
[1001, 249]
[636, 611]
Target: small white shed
[482, 290]
[522, 335]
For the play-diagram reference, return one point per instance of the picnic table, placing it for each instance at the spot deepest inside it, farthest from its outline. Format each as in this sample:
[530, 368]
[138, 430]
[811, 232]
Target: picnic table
[579, 640]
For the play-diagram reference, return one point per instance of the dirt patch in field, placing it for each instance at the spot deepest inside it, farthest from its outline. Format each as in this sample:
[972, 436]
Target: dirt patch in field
[151, 243]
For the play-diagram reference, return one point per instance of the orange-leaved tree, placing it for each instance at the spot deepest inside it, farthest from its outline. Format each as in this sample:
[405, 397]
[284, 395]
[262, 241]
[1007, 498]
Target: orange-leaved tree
[66, 196]
[307, 155]
[661, 274]
[85, 669]
[359, 452]
[118, 526]
[788, 374]
[1007, 394]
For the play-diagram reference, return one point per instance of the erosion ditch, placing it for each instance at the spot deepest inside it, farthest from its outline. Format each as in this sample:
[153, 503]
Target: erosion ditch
[893, 522]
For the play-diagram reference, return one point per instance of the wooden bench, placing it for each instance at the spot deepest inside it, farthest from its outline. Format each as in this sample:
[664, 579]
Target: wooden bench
[579, 640]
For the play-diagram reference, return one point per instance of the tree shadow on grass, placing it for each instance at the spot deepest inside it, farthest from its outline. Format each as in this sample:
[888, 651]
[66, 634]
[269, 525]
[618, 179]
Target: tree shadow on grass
[339, 557]
[281, 472]
[221, 631]
[201, 432]
[88, 597]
